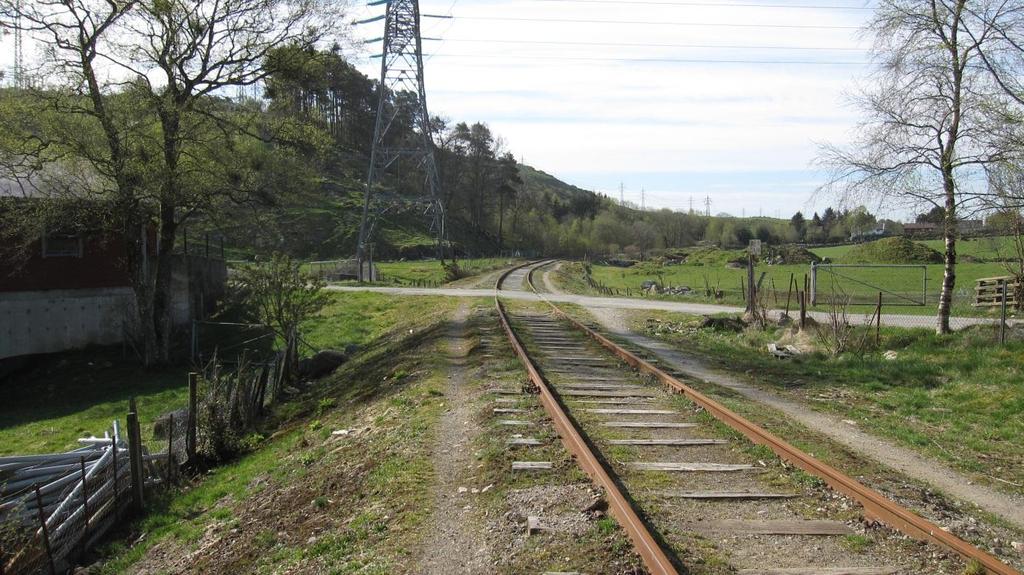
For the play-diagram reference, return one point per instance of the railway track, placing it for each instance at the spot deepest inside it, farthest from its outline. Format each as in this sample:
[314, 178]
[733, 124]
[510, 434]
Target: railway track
[691, 482]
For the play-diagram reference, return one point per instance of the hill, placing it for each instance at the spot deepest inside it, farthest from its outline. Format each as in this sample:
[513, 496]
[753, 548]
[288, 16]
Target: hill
[539, 182]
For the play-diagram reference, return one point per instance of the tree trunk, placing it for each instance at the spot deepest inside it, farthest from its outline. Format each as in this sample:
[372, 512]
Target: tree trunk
[949, 258]
[163, 290]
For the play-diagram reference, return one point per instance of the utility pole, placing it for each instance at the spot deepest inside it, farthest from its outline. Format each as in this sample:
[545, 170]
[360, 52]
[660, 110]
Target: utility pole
[401, 71]
[691, 204]
[643, 199]
[622, 194]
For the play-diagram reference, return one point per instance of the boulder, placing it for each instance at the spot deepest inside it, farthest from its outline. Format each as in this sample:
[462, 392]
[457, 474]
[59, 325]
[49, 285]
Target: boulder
[734, 324]
[322, 364]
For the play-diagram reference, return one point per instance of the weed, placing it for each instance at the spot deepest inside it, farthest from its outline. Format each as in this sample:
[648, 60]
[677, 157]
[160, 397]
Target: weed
[974, 568]
[857, 543]
[265, 539]
[324, 405]
[607, 526]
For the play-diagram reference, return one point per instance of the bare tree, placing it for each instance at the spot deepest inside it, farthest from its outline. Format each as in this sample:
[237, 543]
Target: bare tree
[138, 87]
[926, 137]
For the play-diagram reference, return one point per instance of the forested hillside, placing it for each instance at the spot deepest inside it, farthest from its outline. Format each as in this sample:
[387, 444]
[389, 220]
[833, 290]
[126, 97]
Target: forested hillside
[291, 178]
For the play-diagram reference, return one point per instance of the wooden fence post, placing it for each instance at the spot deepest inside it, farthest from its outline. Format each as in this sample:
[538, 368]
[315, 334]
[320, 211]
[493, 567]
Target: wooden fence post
[135, 457]
[170, 450]
[789, 292]
[46, 532]
[803, 309]
[192, 422]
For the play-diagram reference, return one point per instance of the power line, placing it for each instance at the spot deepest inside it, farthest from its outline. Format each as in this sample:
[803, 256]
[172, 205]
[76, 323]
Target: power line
[715, 4]
[651, 60]
[653, 23]
[651, 45]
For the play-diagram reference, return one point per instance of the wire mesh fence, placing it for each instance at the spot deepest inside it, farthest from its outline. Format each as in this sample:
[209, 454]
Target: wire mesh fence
[901, 296]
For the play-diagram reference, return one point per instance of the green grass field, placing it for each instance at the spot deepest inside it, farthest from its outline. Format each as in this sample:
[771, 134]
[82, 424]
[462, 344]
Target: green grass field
[954, 397]
[982, 249]
[908, 282]
[75, 394]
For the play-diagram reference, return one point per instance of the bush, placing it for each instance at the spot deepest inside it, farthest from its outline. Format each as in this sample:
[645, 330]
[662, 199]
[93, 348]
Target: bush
[892, 251]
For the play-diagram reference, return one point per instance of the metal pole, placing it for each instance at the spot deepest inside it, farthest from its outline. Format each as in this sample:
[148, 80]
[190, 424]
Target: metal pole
[46, 532]
[1002, 314]
[814, 284]
[878, 324]
[117, 489]
[135, 457]
[751, 288]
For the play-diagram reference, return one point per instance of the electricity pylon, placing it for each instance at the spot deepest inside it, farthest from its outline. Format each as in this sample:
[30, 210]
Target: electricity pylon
[402, 110]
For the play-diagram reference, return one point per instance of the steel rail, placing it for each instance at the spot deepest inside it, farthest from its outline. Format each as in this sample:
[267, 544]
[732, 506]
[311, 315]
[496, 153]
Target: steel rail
[653, 556]
[877, 507]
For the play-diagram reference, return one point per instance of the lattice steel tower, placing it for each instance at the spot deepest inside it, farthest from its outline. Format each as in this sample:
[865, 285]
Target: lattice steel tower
[402, 110]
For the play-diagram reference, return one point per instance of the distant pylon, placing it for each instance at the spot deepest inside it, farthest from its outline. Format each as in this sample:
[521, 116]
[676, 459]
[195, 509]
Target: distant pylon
[401, 72]
[707, 206]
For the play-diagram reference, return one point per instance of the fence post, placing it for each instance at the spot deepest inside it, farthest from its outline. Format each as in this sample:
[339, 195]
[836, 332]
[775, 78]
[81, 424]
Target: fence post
[789, 292]
[194, 347]
[751, 288]
[46, 532]
[191, 423]
[1002, 314]
[135, 457]
[803, 309]
[117, 487]
[878, 322]
[814, 284]
[743, 291]
[170, 449]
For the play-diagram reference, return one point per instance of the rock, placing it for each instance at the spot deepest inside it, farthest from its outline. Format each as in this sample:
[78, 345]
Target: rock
[723, 324]
[891, 355]
[1017, 546]
[322, 364]
[534, 525]
[160, 425]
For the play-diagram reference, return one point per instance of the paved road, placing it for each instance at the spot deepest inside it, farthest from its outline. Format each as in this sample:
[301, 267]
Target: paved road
[901, 320]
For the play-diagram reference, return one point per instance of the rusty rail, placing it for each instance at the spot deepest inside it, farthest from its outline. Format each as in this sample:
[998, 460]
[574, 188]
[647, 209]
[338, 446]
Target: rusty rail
[654, 557]
[877, 507]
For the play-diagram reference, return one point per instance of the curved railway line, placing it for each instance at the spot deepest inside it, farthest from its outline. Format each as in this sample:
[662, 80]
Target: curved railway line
[682, 473]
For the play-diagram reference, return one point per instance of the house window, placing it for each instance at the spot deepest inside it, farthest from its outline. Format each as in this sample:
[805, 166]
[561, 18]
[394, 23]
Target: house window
[58, 245]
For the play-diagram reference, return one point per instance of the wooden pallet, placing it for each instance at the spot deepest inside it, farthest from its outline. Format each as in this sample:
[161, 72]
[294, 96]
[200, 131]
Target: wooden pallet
[989, 292]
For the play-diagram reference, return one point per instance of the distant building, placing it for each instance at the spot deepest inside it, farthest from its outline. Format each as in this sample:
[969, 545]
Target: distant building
[878, 232]
[920, 229]
[970, 226]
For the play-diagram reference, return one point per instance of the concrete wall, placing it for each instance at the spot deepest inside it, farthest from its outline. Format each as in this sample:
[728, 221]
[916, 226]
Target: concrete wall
[58, 320]
[47, 321]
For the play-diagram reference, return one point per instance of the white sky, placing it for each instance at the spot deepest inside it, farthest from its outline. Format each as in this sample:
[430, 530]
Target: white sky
[742, 133]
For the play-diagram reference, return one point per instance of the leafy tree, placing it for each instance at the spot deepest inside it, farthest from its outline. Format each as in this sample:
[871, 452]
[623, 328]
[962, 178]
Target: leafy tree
[927, 119]
[136, 86]
[798, 223]
[277, 294]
